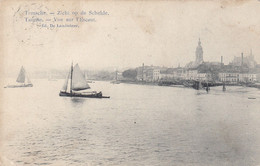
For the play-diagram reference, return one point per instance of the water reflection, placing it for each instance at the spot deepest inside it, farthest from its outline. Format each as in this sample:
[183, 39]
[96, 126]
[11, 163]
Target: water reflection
[77, 102]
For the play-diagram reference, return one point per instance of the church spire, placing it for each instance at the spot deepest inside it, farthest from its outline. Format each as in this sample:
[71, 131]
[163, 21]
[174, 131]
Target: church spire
[199, 53]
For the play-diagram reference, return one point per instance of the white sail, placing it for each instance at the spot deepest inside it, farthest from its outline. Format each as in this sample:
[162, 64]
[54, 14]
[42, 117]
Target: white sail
[78, 79]
[21, 76]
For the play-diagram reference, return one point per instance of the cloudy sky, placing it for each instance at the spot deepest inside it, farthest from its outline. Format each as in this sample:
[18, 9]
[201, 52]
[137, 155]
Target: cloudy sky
[152, 32]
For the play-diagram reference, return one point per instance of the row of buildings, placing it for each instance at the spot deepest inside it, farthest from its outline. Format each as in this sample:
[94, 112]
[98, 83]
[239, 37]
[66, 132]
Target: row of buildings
[155, 74]
[241, 69]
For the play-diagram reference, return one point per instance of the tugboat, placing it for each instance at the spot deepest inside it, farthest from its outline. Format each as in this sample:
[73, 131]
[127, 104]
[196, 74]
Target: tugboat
[23, 80]
[78, 83]
[197, 85]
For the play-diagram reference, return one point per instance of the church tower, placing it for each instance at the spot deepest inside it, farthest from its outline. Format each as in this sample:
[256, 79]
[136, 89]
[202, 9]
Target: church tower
[199, 54]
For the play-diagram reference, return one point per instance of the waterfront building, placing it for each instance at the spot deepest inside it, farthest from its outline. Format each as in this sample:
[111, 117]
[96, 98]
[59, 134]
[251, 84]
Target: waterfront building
[142, 73]
[192, 74]
[173, 74]
[119, 76]
[204, 77]
[234, 77]
[247, 77]
[156, 74]
[229, 77]
[179, 73]
[148, 73]
[167, 74]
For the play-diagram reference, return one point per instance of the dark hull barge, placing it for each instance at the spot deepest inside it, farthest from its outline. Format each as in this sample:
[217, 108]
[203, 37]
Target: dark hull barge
[85, 95]
[18, 86]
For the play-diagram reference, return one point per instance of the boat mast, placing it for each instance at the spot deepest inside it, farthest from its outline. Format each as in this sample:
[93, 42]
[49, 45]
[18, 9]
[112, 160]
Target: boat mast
[71, 71]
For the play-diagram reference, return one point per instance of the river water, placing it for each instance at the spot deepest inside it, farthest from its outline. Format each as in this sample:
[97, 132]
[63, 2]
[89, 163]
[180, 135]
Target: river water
[138, 125]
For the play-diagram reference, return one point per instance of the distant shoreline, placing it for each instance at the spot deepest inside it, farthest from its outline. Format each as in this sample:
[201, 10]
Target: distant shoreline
[252, 85]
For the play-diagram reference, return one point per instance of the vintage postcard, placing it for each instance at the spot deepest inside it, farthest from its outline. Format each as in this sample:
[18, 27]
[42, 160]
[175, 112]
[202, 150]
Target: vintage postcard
[124, 83]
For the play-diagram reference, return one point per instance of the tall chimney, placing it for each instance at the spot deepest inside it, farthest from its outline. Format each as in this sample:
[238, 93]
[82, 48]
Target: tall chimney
[221, 59]
[143, 72]
[242, 59]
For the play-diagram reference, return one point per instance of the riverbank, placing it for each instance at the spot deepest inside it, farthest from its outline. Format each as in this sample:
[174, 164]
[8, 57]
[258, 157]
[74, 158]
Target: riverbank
[189, 83]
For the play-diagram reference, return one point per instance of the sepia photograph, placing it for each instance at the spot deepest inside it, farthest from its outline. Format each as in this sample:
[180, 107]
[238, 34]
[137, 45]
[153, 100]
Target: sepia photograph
[130, 83]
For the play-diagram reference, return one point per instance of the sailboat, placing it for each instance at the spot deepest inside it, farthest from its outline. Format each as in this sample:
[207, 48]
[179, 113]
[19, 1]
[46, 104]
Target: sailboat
[86, 77]
[75, 83]
[22, 80]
